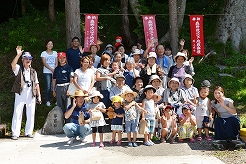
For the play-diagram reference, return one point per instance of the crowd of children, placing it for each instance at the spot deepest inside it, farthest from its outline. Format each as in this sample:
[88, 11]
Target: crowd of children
[137, 87]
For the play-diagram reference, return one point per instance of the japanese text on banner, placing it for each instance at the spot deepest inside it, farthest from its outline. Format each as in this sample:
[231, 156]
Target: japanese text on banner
[197, 37]
[91, 26]
[150, 31]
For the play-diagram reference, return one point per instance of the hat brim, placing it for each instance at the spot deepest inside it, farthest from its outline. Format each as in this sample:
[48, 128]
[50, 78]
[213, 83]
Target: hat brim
[98, 47]
[145, 89]
[97, 95]
[159, 97]
[131, 92]
[175, 58]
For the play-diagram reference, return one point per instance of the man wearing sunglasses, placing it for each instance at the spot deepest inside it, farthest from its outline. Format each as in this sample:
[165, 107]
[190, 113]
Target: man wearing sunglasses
[26, 89]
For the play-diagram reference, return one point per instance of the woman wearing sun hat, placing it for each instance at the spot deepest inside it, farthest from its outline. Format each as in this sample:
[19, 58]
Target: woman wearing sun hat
[179, 70]
[151, 69]
[75, 128]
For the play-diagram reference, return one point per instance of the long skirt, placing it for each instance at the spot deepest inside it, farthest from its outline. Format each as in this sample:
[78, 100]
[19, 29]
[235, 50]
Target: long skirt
[226, 128]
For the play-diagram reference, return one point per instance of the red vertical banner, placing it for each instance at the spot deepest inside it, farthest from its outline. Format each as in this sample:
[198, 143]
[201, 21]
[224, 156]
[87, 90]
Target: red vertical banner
[197, 36]
[150, 31]
[91, 26]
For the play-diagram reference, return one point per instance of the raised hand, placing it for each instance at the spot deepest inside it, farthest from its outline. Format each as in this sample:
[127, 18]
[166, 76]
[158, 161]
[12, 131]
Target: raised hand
[19, 50]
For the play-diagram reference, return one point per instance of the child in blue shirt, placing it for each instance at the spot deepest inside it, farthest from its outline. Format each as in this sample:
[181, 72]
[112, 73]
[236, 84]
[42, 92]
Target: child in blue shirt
[117, 121]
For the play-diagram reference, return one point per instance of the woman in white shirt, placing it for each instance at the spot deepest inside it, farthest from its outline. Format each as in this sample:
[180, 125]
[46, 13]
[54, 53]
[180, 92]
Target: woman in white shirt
[49, 59]
[84, 77]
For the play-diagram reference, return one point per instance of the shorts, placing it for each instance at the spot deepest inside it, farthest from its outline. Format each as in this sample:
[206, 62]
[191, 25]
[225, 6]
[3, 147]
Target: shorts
[200, 120]
[131, 126]
[117, 127]
[151, 126]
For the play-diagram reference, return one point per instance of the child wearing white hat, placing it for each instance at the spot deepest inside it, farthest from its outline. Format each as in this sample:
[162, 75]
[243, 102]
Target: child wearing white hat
[97, 105]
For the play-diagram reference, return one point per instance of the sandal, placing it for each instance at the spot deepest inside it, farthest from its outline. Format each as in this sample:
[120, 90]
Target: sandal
[101, 145]
[192, 140]
[163, 140]
[180, 140]
[118, 143]
[93, 144]
[112, 141]
[199, 138]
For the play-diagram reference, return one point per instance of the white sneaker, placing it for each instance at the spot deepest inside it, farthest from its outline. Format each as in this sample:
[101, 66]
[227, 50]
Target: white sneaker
[82, 140]
[70, 141]
[48, 103]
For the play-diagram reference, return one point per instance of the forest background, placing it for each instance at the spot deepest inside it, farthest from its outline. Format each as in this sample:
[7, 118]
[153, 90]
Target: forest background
[33, 25]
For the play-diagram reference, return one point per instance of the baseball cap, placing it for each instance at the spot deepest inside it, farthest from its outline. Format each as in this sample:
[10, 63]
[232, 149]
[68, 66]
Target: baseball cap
[27, 55]
[61, 55]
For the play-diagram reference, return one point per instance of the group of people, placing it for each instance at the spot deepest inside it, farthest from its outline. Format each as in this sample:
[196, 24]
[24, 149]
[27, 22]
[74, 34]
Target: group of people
[154, 88]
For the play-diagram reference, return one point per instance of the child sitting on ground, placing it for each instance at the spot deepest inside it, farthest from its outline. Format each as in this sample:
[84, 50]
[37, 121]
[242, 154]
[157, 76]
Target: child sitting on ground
[131, 116]
[96, 125]
[117, 121]
[149, 105]
[168, 124]
[187, 124]
[203, 113]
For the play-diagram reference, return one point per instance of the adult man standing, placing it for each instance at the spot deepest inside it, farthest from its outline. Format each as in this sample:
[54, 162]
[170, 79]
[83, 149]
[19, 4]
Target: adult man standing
[75, 53]
[76, 128]
[26, 89]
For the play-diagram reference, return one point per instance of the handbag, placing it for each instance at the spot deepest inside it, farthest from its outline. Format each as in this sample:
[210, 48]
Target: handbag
[71, 89]
[143, 127]
[95, 115]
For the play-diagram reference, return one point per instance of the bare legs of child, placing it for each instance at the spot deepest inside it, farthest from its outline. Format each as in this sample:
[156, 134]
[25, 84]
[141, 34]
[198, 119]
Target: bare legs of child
[147, 140]
[130, 141]
[114, 135]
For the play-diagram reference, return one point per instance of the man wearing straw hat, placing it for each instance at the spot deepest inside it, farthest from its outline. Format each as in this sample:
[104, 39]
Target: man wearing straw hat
[75, 128]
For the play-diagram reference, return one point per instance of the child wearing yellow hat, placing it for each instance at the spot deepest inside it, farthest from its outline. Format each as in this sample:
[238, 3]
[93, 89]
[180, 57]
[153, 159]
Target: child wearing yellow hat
[117, 121]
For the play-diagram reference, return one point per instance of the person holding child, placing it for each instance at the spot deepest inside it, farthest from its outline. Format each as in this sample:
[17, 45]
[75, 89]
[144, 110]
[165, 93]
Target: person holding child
[149, 105]
[97, 105]
[187, 124]
[131, 116]
[117, 121]
[168, 125]
[203, 113]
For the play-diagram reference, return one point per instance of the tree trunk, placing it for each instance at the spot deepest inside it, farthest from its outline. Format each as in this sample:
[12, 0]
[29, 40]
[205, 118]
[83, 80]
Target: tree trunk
[125, 22]
[72, 11]
[52, 10]
[173, 16]
[181, 11]
[135, 6]
[23, 7]
[231, 25]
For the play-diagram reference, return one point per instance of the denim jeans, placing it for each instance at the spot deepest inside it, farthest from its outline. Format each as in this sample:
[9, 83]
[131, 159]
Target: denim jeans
[106, 99]
[48, 82]
[74, 130]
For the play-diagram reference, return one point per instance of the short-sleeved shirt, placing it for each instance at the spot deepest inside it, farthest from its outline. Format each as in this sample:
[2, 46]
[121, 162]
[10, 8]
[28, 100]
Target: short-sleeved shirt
[84, 78]
[174, 97]
[150, 108]
[104, 84]
[116, 91]
[132, 113]
[100, 122]
[74, 116]
[118, 120]
[50, 60]
[62, 74]
[222, 111]
[190, 92]
[73, 57]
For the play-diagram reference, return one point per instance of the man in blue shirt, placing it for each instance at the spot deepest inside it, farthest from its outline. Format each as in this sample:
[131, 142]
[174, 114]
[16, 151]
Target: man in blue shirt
[75, 53]
[75, 127]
